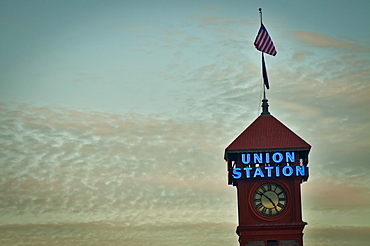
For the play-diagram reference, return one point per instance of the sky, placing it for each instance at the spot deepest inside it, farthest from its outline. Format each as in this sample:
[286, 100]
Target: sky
[114, 117]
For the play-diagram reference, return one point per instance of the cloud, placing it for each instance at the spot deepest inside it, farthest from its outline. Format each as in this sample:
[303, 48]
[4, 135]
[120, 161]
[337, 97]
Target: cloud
[113, 233]
[337, 196]
[128, 27]
[60, 165]
[336, 235]
[322, 41]
[82, 77]
[301, 56]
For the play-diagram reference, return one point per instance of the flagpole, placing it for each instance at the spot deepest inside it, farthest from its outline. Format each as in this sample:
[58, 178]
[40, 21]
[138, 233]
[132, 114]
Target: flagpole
[264, 86]
[265, 104]
[264, 76]
[263, 83]
[264, 44]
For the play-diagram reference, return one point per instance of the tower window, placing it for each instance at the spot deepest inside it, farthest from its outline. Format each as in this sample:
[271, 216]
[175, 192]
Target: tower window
[272, 243]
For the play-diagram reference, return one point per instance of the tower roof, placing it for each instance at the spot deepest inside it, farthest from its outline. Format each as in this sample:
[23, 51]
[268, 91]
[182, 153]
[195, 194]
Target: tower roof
[267, 133]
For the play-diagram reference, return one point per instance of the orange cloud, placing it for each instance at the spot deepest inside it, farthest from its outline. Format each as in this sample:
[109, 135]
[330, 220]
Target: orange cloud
[320, 40]
[329, 194]
[337, 235]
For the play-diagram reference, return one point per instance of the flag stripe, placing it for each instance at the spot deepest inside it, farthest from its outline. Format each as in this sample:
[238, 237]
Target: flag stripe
[263, 42]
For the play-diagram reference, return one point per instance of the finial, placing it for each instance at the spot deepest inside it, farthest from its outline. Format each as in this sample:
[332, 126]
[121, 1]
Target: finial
[260, 10]
[265, 105]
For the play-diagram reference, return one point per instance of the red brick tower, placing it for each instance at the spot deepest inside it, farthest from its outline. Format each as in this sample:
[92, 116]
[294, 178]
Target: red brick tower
[267, 163]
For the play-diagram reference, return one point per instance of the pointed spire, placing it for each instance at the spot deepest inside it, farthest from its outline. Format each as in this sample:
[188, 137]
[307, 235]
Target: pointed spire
[265, 105]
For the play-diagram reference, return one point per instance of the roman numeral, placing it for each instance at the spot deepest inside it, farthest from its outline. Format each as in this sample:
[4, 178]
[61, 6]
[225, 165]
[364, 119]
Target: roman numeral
[280, 205]
[263, 188]
[275, 187]
[259, 205]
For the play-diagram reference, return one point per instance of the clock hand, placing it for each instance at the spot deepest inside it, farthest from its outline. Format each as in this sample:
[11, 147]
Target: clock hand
[268, 198]
[273, 204]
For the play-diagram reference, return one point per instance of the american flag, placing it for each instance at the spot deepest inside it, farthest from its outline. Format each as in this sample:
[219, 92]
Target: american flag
[264, 43]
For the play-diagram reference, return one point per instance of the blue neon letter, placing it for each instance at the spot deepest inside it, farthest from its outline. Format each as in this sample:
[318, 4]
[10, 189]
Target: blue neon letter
[259, 172]
[236, 173]
[247, 172]
[257, 158]
[267, 160]
[269, 169]
[300, 171]
[277, 157]
[290, 157]
[277, 174]
[248, 159]
[287, 171]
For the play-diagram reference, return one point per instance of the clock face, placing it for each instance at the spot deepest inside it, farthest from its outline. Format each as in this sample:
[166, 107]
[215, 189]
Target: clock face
[269, 199]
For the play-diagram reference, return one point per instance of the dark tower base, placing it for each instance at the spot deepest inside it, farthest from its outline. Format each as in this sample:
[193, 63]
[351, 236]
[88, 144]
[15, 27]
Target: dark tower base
[272, 234]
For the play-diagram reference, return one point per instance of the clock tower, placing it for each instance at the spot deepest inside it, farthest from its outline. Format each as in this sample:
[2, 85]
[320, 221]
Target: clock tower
[267, 164]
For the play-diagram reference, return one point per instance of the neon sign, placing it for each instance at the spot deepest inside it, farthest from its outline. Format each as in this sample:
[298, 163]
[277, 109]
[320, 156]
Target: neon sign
[253, 168]
[269, 171]
[259, 158]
